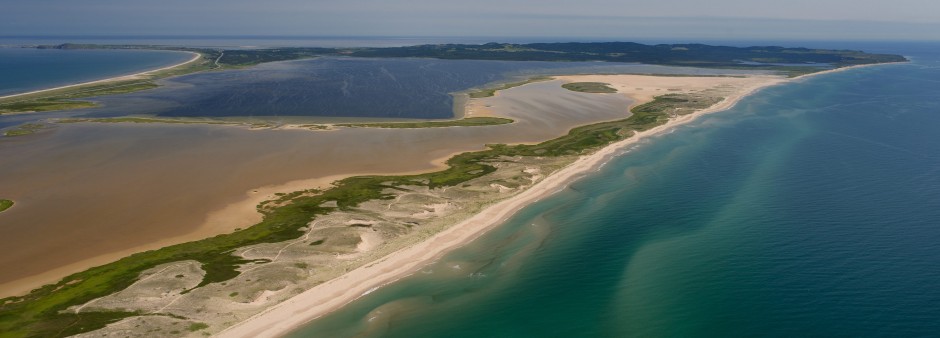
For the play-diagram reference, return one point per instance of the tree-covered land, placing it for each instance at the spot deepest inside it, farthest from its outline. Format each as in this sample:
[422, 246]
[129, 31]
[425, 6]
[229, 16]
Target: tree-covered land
[697, 55]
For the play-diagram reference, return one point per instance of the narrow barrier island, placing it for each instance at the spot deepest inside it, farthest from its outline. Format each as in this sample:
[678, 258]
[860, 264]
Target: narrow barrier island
[253, 125]
[43, 312]
[24, 129]
[487, 92]
[465, 122]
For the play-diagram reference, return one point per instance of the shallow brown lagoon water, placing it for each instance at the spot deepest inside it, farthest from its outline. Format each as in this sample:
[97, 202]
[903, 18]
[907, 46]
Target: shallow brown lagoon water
[90, 193]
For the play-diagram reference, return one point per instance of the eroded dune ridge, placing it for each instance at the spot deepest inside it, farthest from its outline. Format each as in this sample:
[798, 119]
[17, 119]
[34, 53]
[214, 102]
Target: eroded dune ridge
[351, 249]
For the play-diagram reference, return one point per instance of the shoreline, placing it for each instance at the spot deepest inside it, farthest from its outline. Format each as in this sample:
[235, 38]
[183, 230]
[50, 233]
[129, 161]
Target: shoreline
[333, 294]
[133, 76]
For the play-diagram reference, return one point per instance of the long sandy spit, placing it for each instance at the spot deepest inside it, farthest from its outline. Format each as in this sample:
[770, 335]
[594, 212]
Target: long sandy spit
[331, 295]
[134, 76]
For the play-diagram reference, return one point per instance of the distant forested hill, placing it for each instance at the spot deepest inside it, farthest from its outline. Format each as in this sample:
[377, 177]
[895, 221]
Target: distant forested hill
[697, 55]
[679, 54]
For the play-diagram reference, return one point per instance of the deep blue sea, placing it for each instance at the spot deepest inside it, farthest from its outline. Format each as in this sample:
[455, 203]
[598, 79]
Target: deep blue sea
[27, 69]
[811, 209]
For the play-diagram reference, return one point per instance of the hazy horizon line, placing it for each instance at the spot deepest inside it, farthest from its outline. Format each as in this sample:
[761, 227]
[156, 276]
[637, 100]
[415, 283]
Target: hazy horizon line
[535, 37]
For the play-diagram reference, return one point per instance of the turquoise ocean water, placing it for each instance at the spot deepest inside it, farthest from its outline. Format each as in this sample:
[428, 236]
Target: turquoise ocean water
[809, 209]
[27, 69]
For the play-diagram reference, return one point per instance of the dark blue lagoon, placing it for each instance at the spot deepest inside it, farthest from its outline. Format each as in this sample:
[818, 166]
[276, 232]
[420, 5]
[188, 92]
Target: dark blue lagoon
[343, 88]
[809, 209]
[28, 69]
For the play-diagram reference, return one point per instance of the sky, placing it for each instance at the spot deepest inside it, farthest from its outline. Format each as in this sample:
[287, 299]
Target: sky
[625, 19]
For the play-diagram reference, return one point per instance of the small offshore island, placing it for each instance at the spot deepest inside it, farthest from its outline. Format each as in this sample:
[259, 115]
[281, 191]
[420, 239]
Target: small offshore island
[5, 204]
[325, 241]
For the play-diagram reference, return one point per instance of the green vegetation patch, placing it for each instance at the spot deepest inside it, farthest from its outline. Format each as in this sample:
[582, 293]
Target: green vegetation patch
[313, 126]
[465, 122]
[5, 204]
[676, 104]
[24, 129]
[487, 92]
[65, 98]
[41, 105]
[197, 326]
[589, 87]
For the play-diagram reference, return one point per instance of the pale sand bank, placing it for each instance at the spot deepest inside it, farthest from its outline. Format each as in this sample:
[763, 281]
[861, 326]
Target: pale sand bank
[335, 293]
